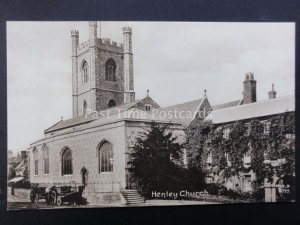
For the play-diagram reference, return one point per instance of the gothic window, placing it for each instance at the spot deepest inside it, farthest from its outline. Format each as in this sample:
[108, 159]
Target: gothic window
[84, 72]
[36, 161]
[105, 155]
[111, 103]
[84, 107]
[45, 153]
[66, 162]
[110, 70]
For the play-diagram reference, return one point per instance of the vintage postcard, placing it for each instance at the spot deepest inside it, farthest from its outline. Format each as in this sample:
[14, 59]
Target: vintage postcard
[117, 114]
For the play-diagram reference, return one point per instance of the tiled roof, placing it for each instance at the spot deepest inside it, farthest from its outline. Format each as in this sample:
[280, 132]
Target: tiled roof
[15, 159]
[87, 119]
[253, 110]
[226, 105]
[69, 123]
[185, 109]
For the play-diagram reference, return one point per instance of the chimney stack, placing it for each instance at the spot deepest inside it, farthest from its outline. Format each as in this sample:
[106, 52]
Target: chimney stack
[249, 88]
[272, 93]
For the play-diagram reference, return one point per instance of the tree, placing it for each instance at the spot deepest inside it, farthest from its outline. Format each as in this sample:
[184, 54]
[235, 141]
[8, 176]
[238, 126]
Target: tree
[156, 160]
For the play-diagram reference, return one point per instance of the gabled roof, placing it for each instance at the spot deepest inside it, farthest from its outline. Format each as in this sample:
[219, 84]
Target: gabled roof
[253, 110]
[89, 118]
[186, 109]
[226, 105]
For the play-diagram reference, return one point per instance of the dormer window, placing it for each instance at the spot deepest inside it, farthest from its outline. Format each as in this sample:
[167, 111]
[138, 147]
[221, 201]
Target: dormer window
[148, 108]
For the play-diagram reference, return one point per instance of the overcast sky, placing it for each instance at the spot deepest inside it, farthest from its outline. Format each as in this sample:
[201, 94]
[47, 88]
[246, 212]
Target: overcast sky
[175, 61]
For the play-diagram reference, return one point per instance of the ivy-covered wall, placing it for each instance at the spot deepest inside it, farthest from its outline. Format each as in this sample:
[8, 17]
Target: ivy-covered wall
[264, 140]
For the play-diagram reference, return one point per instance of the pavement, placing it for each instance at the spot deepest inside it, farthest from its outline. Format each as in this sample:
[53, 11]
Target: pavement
[16, 203]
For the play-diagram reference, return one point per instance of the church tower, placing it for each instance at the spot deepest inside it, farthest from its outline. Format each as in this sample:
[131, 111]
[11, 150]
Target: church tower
[102, 72]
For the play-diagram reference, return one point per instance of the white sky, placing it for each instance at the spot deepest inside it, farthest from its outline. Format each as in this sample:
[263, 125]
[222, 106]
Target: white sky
[175, 61]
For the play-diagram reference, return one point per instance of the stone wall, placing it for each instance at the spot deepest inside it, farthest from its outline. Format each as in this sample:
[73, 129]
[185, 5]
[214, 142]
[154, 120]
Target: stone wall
[84, 147]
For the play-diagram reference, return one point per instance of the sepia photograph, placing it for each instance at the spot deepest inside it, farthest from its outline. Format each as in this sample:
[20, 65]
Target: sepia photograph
[138, 114]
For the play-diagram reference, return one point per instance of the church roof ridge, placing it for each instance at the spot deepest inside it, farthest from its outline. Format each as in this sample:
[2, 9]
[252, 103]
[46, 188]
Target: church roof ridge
[89, 117]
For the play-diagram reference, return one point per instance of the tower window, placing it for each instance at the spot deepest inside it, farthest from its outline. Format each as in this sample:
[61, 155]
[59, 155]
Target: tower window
[110, 70]
[111, 103]
[84, 72]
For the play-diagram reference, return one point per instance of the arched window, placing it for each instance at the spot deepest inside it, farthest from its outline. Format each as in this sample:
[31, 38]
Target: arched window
[84, 107]
[110, 70]
[111, 103]
[66, 162]
[105, 155]
[36, 161]
[84, 72]
[45, 153]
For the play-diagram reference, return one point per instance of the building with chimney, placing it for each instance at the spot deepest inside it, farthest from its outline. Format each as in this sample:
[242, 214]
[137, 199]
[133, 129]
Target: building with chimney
[93, 146]
[272, 113]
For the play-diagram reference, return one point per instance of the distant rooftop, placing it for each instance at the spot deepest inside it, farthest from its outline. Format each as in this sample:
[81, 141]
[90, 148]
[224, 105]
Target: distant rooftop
[186, 109]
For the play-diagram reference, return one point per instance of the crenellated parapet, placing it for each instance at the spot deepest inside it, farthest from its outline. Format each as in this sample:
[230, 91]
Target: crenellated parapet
[109, 43]
[102, 43]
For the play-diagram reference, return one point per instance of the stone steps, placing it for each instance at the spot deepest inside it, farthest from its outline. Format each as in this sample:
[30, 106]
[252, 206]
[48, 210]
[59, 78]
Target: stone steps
[132, 197]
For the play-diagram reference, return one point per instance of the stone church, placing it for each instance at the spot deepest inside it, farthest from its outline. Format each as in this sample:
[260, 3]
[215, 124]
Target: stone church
[92, 147]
